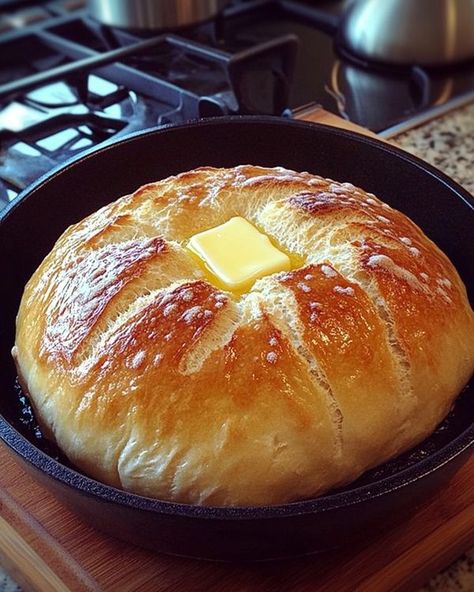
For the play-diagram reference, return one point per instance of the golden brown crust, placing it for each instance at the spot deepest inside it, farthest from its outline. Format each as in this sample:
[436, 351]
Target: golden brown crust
[153, 380]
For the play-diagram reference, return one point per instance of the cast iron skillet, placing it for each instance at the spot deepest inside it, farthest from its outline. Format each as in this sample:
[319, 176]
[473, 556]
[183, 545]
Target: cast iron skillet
[29, 228]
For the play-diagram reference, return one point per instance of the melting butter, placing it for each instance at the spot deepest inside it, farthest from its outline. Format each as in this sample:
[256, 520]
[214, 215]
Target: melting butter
[235, 254]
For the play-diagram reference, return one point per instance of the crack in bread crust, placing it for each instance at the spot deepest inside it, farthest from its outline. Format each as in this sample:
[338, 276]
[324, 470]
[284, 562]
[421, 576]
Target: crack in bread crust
[284, 315]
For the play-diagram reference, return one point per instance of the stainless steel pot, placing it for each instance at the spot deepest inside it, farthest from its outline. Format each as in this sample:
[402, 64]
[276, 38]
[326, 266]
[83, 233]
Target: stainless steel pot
[153, 14]
[424, 32]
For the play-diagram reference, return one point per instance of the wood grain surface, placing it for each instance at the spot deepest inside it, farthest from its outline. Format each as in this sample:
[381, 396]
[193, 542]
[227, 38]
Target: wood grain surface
[48, 548]
[317, 114]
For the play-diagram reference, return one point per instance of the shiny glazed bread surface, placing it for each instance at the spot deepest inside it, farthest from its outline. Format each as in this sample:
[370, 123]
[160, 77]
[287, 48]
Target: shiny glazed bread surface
[151, 379]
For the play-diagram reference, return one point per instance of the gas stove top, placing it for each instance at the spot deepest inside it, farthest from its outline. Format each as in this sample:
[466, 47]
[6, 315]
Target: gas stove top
[68, 83]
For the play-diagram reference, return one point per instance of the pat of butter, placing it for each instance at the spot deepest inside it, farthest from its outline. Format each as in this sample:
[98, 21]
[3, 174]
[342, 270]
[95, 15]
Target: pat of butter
[237, 254]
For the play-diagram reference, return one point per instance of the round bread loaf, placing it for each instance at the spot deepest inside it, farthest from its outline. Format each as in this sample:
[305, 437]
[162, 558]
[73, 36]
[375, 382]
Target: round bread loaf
[151, 379]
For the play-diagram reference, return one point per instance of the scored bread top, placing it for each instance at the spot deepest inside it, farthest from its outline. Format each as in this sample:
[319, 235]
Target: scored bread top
[151, 379]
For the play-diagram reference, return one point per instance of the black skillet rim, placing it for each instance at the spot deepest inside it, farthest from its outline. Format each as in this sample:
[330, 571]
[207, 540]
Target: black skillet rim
[88, 486]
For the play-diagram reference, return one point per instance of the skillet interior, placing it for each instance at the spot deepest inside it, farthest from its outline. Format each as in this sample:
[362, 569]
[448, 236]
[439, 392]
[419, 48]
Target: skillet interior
[29, 228]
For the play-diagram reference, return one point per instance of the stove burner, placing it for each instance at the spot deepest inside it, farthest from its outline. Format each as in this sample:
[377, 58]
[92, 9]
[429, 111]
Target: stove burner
[68, 82]
[71, 96]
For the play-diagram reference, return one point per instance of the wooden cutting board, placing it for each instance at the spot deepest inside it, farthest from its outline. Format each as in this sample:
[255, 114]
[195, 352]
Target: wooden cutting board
[46, 548]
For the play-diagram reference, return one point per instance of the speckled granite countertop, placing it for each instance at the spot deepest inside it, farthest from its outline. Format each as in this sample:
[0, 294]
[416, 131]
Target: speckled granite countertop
[447, 143]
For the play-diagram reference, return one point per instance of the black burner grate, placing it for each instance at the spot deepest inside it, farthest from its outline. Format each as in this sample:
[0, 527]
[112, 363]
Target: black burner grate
[86, 84]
